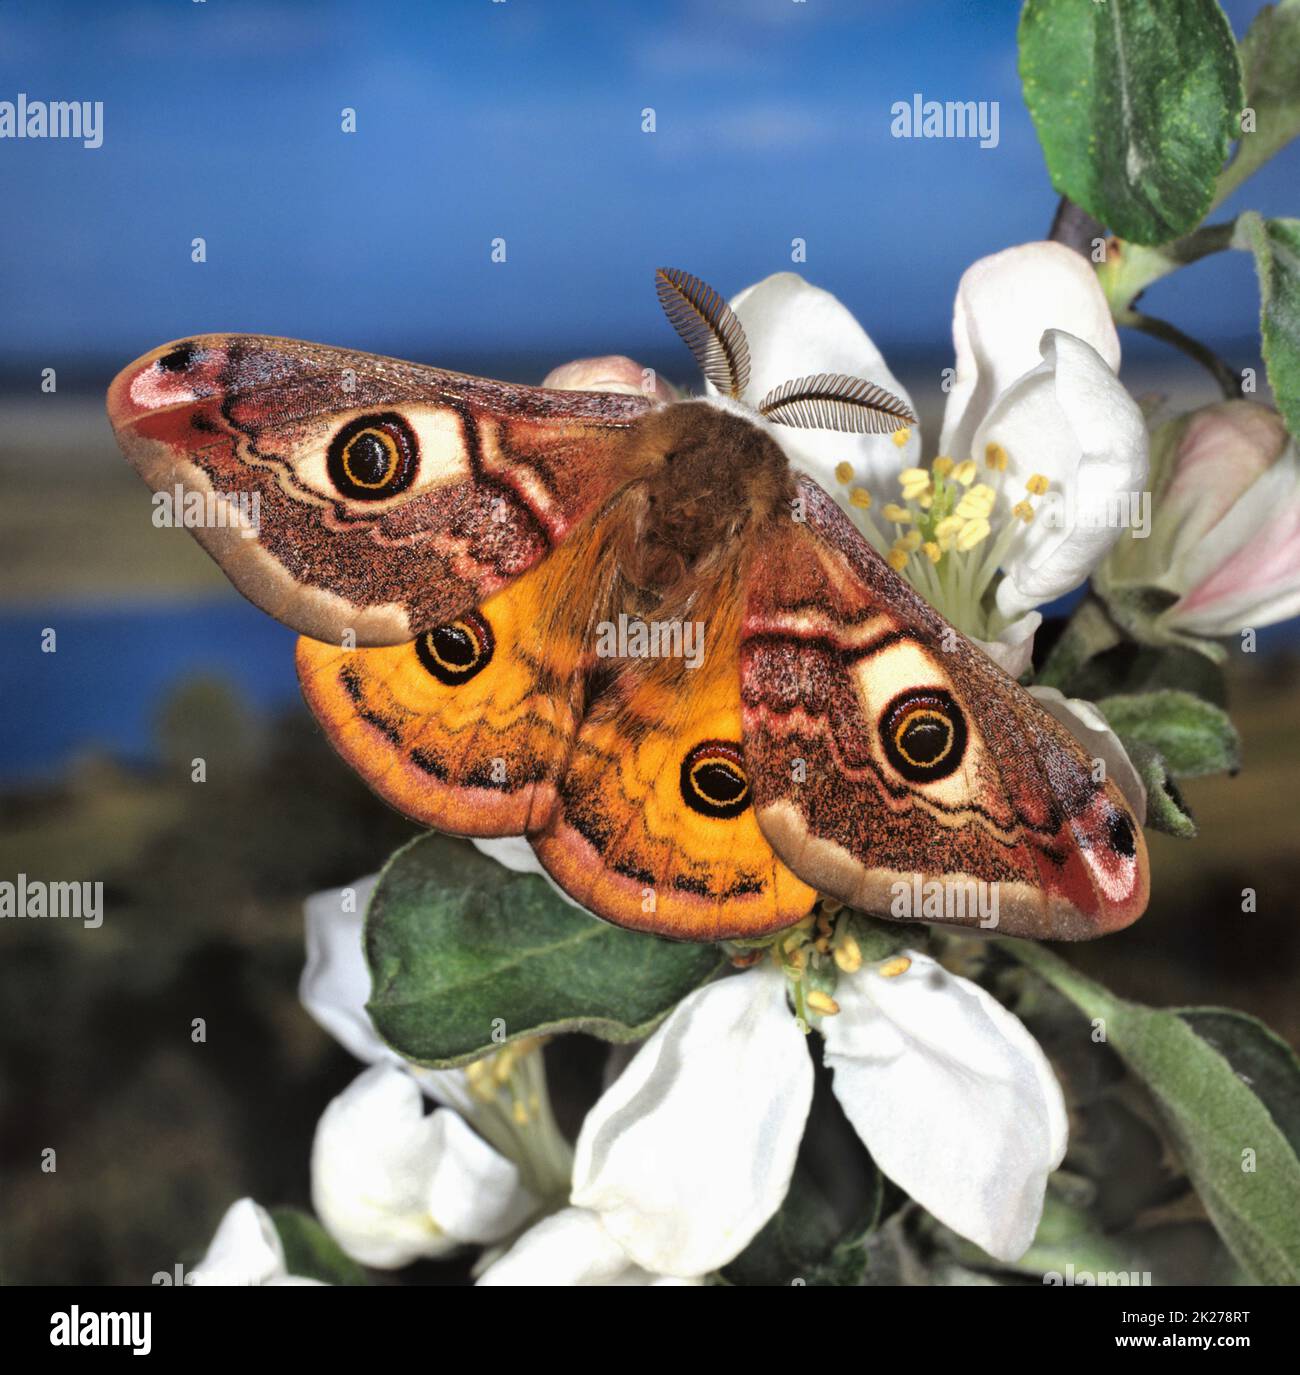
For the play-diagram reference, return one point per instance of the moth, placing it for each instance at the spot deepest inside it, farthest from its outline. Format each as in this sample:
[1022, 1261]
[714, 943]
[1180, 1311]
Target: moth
[454, 552]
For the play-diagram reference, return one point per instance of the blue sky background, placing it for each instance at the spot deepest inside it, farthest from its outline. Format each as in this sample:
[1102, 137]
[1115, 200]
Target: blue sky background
[477, 120]
[519, 119]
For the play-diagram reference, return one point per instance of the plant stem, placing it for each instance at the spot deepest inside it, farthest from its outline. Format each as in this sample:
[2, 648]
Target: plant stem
[1229, 381]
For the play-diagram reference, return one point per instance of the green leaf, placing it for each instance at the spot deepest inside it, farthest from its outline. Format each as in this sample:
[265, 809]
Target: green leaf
[1147, 668]
[1135, 103]
[1270, 61]
[1189, 1062]
[805, 1242]
[311, 1252]
[1194, 738]
[1166, 810]
[460, 946]
[1258, 1057]
[1276, 246]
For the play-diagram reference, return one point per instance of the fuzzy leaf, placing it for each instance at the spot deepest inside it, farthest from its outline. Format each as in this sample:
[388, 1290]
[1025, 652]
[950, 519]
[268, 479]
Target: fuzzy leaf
[1166, 810]
[1270, 60]
[1135, 103]
[1229, 1095]
[1194, 738]
[1276, 246]
[457, 945]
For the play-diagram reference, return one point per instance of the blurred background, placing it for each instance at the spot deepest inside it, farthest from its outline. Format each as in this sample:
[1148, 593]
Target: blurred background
[522, 121]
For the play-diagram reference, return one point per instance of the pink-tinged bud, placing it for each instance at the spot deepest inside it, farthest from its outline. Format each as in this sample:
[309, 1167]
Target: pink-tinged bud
[1224, 547]
[611, 373]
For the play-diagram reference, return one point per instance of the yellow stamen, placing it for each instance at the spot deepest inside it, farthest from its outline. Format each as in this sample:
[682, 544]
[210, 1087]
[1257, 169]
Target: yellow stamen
[1022, 510]
[910, 541]
[848, 955]
[822, 1003]
[964, 473]
[925, 501]
[897, 558]
[844, 472]
[913, 481]
[995, 457]
[972, 507]
[1036, 485]
[942, 466]
[900, 515]
[972, 533]
[902, 436]
[932, 551]
[891, 969]
[948, 526]
[860, 497]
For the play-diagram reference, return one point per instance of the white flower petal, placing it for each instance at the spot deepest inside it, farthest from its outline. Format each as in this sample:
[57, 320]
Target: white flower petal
[1004, 304]
[794, 330]
[952, 1096]
[245, 1249]
[1013, 650]
[1091, 729]
[335, 988]
[392, 1185]
[691, 1151]
[1071, 421]
[571, 1247]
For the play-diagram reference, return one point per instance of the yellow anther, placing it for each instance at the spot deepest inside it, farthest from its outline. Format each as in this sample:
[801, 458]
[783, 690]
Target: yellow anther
[902, 436]
[995, 457]
[1022, 510]
[932, 551]
[520, 1114]
[848, 955]
[822, 945]
[891, 969]
[972, 507]
[964, 472]
[910, 541]
[972, 533]
[796, 959]
[859, 497]
[914, 481]
[897, 558]
[948, 527]
[844, 472]
[1036, 485]
[941, 466]
[925, 501]
[822, 1003]
[900, 515]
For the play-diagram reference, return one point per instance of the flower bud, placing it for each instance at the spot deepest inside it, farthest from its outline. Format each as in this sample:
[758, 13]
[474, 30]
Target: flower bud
[612, 373]
[1224, 545]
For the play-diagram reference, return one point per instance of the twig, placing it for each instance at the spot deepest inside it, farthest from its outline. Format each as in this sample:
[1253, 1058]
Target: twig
[1229, 380]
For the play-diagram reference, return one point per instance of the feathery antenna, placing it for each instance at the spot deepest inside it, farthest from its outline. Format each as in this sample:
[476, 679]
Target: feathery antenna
[832, 401]
[708, 326]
